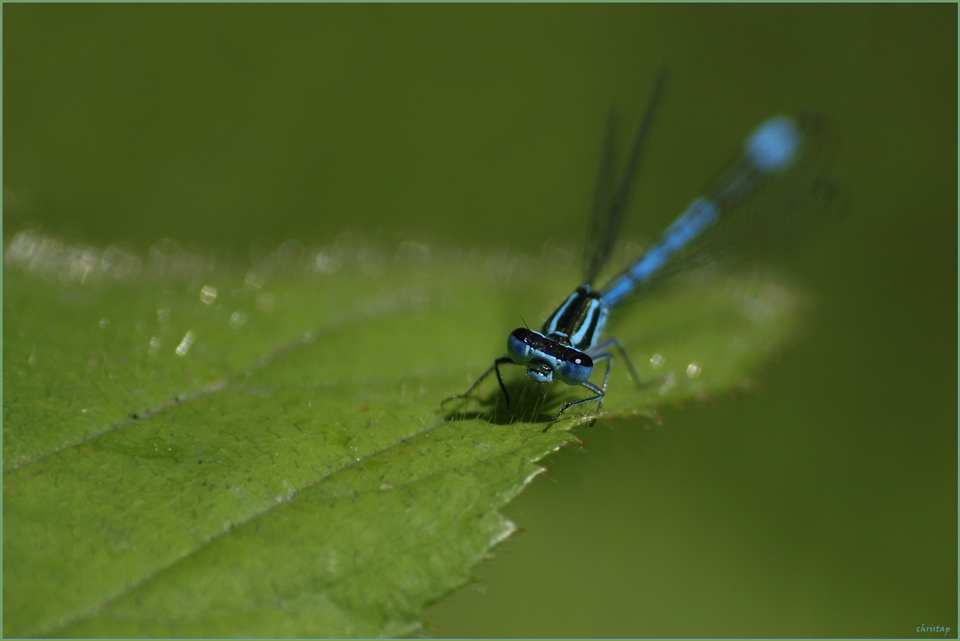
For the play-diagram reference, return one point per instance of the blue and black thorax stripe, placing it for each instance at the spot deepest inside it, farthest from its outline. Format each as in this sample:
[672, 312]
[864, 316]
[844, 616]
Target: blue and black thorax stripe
[579, 321]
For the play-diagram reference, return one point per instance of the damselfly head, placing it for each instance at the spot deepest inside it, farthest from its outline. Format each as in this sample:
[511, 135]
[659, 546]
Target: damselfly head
[547, 358]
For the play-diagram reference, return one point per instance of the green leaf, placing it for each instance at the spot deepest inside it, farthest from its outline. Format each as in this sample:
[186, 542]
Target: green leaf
[204, 449]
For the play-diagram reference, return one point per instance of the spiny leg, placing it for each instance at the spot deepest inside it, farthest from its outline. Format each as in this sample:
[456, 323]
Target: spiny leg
[599, 392]
[503, 360]
[615, 342]
[598, 396]
[493, 368]
[606, 378]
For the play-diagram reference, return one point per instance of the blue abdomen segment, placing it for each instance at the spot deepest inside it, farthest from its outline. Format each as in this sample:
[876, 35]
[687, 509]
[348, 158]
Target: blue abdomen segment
[774, 145]
[699, 216]
[769, 150]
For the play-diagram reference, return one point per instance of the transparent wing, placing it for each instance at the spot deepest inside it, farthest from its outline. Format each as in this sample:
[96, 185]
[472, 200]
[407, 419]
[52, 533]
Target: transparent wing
[611, 197]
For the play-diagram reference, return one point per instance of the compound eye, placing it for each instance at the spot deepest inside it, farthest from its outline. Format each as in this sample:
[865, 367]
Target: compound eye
[575, 370]
[518, 345]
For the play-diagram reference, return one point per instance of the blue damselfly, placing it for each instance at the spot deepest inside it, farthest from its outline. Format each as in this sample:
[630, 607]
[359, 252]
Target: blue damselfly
[568, 345]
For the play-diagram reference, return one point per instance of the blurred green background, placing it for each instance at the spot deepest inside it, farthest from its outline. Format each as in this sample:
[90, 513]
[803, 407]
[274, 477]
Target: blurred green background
[822, 504]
